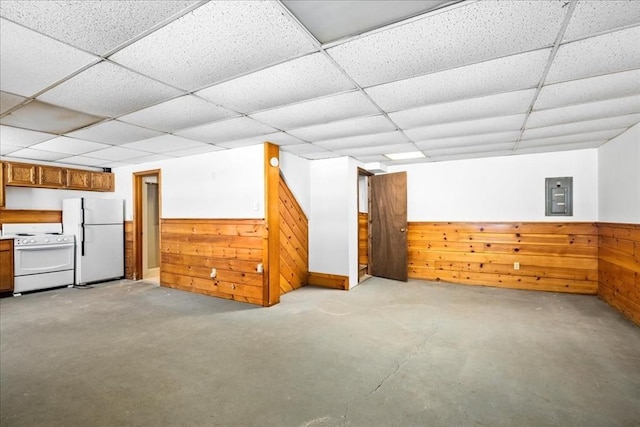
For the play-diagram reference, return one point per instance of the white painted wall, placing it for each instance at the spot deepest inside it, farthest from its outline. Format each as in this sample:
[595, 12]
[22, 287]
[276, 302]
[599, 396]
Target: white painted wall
[500, 188]
[619, 178]
[222, 184]
[333, 224]
[297, 174]
[46, 198]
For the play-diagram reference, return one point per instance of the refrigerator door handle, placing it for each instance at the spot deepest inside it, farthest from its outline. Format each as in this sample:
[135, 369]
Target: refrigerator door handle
[82, 240]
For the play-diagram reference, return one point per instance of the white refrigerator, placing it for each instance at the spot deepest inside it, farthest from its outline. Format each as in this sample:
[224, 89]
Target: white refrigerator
[98, 225]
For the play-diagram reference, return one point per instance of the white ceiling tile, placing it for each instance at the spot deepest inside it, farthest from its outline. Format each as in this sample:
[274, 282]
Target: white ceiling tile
[469, 128]
[278, 138]
[163, 144]
[44, 117]
[217, 41]
[583, 112]
[31, 62]
[227, 130]
[452, 38]
[81, 160]
[202, 149]
[31, 154]
[345, 128]
[114, 91]
[609, 53]
[376, 150]
[408, 161]
[321, 110]
[179, 113]
[592, 17]
[475, 140]
[303, 149]
[515, 72]
[22, 137]
[483, 148]
[603, 135]
[581, 127]
[466, 109]
[560, 147]
[63, 144]
[7, 149]
[598, 88]
[304, 78]
[114, 164]
[468, 156]
[117, 154]
[96, 26]
[373, 159]
[149, 158]
[387, 138]
[9, 100]
[114, 132]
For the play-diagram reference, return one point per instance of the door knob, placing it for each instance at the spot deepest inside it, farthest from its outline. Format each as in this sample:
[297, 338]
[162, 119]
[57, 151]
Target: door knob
[402, 230]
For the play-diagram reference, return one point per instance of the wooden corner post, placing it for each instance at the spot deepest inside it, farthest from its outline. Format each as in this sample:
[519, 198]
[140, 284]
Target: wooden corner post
[271, 253]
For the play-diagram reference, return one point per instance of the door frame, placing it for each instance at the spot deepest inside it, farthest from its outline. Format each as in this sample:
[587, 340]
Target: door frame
[367, 174]
[138, 182]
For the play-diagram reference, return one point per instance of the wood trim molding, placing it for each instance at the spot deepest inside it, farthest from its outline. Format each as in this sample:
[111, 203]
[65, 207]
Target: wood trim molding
[13, 216]
[271, 253]
[137, 218]
[325, 280]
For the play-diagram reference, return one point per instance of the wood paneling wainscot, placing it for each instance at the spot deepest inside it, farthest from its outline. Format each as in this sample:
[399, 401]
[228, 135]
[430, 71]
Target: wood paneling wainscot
[129, 263]
[333, 281]
[192, 247]
[619, 267]
[558, 257]
[294, 241]
[363, 238]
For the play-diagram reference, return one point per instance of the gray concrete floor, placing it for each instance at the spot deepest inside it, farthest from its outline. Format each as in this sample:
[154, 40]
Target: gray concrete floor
[384, 354]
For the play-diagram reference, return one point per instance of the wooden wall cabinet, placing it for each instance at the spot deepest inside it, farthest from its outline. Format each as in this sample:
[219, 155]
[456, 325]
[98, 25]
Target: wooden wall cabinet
[28, 175]
[22, 174]
[78, 179]
[51, 176]
[1, 185]
[102, 181]
[6, 266]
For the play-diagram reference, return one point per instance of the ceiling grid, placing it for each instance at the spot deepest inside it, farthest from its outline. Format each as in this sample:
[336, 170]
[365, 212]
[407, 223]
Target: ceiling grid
[105, 84]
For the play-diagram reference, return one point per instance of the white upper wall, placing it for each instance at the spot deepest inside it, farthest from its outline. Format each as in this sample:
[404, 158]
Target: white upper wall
[333, 223]
[619, 178]
[222, 184]
[500, 188]
[46, 198]
[297, 175]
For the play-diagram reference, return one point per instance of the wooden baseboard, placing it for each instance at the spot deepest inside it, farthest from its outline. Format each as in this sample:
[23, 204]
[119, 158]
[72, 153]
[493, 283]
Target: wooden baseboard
[332, 281]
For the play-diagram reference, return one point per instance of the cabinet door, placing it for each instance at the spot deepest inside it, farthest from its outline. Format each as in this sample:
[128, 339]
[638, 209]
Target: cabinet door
[6, 265]
[52, 176]
[22, 174]
[102, 181]
[78, 179]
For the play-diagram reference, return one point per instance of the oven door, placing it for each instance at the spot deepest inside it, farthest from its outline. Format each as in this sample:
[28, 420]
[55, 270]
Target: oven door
[43, 259]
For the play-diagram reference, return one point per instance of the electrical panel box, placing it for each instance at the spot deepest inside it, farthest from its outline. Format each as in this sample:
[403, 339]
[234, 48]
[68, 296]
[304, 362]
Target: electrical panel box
[559, 196]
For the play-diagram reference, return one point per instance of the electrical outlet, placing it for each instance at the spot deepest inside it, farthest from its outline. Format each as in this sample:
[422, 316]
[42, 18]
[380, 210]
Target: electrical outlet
[516, 265]
[260, 268]
[214, 273]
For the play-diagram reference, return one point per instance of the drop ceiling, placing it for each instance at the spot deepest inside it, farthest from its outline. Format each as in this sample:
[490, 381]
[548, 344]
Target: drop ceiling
[111, 83]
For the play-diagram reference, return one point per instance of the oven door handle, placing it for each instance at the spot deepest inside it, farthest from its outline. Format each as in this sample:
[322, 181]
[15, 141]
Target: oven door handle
[31, 247]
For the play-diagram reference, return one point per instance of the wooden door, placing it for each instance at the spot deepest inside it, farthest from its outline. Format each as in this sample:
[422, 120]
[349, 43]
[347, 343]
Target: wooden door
[388, 233]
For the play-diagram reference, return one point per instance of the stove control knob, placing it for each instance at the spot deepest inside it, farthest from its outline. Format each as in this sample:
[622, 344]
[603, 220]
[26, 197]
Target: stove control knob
[59, 239]
[25, 241]
[64, 239]
[32, 241]
[46, 240]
